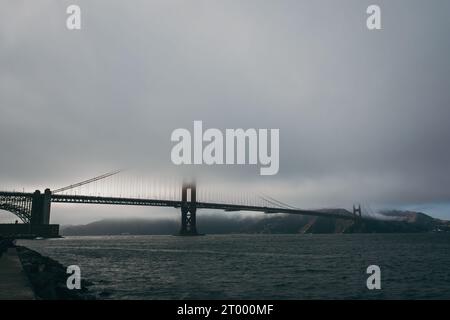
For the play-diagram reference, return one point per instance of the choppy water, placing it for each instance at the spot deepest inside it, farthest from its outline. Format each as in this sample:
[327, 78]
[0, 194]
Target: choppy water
[413, 266]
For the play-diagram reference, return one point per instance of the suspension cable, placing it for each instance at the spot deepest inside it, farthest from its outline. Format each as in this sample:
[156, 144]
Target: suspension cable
[103, 176]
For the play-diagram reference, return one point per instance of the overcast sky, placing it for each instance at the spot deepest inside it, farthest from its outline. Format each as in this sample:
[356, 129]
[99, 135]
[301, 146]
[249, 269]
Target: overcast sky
[364, 116]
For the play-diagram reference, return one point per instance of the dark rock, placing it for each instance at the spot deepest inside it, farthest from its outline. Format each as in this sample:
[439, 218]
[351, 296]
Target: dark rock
[48, 277]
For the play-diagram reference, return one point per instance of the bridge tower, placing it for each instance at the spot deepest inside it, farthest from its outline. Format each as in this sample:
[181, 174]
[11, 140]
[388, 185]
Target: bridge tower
[357, 211]
[188, 209]
[40, 207]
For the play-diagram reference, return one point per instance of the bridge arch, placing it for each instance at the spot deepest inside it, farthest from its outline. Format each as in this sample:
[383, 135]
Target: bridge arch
[23, 216]
[19, 206]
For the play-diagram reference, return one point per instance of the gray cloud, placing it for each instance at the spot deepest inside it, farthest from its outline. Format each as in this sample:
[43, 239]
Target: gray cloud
[363, 116]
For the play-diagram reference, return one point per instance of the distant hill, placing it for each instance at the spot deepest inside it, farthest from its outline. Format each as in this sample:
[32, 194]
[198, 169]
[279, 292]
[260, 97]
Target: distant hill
[393, 221]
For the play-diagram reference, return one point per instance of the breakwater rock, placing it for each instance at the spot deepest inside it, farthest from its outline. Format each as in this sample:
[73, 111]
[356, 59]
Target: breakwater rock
[48, 277]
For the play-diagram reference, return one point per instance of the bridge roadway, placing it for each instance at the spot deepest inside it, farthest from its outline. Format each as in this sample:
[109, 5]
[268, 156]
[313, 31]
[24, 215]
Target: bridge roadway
[199, 205]
[61, 198]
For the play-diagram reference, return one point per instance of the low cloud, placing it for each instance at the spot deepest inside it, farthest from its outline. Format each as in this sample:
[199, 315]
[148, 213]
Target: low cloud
[363, 116]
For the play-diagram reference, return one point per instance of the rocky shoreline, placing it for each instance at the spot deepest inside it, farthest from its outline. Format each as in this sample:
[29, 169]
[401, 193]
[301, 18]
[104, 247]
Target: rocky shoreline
[48, 277]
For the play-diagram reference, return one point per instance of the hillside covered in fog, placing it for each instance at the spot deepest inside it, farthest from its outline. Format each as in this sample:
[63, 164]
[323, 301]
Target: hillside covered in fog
[387, 222]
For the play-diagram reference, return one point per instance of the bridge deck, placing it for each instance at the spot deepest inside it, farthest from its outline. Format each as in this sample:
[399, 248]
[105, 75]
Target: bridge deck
[199, 205]
[62, 198]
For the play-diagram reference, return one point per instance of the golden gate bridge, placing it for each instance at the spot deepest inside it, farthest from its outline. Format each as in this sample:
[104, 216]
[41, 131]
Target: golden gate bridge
[33, 208]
